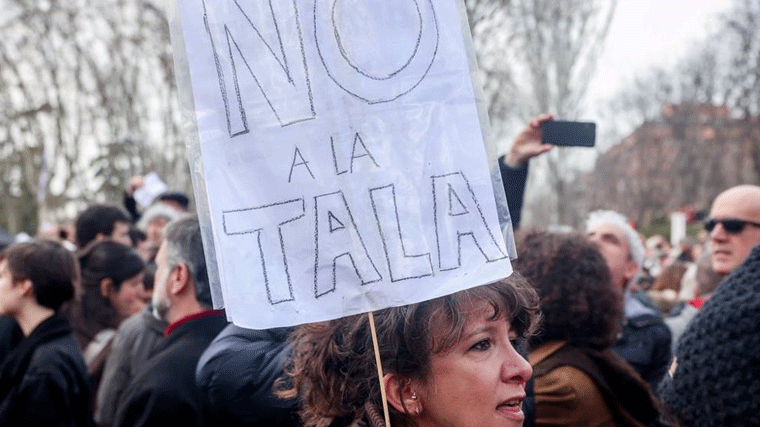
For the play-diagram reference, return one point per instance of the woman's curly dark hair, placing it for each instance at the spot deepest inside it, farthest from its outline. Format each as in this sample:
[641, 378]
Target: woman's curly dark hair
[578, 302]
[333, 369]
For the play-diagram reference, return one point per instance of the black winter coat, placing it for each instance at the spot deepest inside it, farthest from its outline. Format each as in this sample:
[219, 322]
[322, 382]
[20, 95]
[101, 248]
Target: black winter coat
[645, 344]
[163, 393]
[10, 336]
[237, 374]
[44, 382]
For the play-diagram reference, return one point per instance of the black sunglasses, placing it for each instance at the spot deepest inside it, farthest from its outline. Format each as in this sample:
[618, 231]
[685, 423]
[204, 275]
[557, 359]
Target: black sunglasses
[731, 225]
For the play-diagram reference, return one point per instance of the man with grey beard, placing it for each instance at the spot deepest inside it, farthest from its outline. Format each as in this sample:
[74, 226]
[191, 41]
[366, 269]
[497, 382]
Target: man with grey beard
[164, 391]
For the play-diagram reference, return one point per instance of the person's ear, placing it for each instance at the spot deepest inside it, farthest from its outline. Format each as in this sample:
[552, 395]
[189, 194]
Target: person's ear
[401, 393]
[106, 284]
[630, 270]
[27, 288]
[179, 279]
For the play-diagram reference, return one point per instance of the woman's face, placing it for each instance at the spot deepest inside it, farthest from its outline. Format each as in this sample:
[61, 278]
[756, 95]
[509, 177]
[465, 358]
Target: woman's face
[131, 297]
[480, 382]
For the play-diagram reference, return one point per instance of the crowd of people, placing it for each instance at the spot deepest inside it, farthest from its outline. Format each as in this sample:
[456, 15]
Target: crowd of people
[112, 324]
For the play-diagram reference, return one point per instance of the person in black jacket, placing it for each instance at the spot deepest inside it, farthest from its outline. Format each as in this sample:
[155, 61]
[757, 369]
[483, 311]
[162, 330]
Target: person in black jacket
[43, 381]
[10, 336]
[163, 392]
[237, 374]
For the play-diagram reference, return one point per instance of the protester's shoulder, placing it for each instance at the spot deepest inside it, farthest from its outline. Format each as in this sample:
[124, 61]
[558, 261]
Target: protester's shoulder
[9, 328]
[717, 355]
[177, 353]
[660, 331]
[645, 321]
[156, 400]
[165, 384]
[728, 324]
[234, 337]
[57, 365]
[160, 375]
[735, 306]
[133, 325]
[257, 347]
[565, 380]
[555, 372]
[645, 329]
[567, 394]
[639, 311]
[60, 353]
[140, 324]
[10, 335]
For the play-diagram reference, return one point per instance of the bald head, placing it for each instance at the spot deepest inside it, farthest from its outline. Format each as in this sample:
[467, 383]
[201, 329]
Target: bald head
[742, 200]
[729, 246]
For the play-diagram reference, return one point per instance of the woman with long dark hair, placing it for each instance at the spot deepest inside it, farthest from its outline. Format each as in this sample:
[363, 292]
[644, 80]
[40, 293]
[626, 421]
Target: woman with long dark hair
[112, 291]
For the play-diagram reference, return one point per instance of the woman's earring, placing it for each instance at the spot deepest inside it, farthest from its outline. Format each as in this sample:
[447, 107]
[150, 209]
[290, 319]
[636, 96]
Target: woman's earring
[418, 406]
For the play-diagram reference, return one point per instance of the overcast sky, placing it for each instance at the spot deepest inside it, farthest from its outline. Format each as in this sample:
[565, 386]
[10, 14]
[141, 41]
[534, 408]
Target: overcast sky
[651, 32]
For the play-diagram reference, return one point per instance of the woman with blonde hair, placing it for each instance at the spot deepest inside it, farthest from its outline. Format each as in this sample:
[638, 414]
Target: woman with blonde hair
[453, 360]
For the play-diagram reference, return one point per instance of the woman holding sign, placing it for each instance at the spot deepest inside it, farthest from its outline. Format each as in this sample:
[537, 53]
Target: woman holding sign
[448, 361]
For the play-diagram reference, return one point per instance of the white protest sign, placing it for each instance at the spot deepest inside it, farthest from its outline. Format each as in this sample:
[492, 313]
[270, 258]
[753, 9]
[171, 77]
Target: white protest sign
[678, 222]
[151, 188]
[342, 155]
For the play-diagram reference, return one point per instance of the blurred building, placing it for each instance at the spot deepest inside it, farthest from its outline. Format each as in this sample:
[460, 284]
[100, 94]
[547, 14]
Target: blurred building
[685, 158]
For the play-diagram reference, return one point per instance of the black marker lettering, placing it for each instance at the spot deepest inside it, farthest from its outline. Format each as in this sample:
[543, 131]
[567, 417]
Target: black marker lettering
[358, 141]
[457, 214]
[298, 160]
[333, 242]
[275, 270]
[401, 265]
[257, 56]
[335, 158]
[372, 86]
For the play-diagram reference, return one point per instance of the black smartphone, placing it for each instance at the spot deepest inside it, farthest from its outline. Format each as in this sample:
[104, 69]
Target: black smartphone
[569, 134]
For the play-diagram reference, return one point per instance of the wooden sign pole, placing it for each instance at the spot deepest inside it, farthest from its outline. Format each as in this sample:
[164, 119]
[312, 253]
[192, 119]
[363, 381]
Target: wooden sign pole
[379, 369]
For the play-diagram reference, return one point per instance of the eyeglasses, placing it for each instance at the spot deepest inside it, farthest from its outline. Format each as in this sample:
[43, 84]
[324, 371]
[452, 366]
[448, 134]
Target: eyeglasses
[731, 225]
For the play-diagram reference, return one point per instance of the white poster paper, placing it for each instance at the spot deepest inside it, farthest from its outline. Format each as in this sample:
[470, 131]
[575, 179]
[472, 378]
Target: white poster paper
[342, 155]
[677, 228]
[151, 188]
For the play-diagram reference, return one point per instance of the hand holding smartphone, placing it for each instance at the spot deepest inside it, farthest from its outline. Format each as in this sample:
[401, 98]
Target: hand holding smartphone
[568, 134]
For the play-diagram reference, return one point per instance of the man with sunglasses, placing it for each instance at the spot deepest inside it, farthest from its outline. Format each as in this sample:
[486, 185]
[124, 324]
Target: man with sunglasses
[734, 226]
[715, 377]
